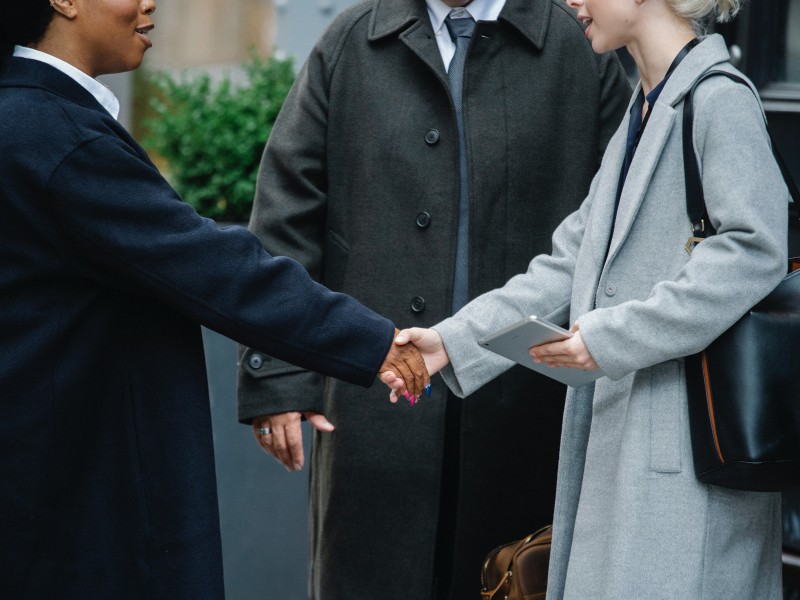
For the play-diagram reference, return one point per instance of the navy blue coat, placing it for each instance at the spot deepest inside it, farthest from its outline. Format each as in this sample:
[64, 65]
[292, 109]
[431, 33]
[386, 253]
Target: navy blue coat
[107, 483]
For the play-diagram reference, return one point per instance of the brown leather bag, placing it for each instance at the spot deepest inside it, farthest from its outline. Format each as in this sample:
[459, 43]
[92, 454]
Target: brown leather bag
[518, 570]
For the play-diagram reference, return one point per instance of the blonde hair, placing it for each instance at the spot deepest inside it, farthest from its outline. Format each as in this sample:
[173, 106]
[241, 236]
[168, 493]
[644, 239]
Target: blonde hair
[700, 11]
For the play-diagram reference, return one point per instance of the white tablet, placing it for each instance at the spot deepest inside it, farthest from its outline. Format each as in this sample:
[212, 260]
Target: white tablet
[515, 340]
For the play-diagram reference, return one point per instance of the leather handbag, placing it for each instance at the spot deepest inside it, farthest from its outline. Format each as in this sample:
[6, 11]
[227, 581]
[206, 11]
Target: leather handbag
[518, 570]
[744, 389]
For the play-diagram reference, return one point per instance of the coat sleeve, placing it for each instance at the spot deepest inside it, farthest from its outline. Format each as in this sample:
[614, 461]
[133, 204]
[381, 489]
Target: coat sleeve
[545, 290]
[746, 199]
[123, 226]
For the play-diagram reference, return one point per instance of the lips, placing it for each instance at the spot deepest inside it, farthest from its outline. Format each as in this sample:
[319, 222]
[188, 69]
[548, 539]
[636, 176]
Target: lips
[587, 22]
[143, 32]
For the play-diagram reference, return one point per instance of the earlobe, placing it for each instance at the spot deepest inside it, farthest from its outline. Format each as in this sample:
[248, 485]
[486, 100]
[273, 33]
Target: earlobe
[65, 8]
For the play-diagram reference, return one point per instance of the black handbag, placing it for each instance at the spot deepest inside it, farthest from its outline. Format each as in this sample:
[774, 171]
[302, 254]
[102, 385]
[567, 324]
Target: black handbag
[744, 389]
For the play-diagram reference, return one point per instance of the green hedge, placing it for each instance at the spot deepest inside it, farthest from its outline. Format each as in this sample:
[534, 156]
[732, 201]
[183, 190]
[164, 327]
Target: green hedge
[212, 135]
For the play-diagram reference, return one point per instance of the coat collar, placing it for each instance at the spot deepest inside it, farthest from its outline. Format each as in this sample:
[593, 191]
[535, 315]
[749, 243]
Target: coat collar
[709, 53]
[24, 72]
[529, 17]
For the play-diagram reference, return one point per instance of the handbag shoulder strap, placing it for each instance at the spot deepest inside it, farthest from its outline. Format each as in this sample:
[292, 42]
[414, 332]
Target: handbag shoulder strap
[695, 201]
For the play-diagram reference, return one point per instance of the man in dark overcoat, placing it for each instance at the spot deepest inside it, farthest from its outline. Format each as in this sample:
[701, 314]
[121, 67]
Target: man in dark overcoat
[360, 183]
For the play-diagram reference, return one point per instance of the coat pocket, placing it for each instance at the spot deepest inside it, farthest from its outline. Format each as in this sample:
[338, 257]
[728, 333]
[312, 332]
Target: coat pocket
[667, 406]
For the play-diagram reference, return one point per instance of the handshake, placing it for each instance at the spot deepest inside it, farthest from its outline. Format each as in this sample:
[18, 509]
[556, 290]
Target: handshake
[415, 355]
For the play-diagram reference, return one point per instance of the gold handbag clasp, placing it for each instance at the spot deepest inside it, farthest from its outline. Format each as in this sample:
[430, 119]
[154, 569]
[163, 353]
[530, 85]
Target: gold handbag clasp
[698, 235]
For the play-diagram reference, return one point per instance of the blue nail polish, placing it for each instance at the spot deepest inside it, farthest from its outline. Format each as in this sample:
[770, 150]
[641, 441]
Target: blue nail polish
[428, 390]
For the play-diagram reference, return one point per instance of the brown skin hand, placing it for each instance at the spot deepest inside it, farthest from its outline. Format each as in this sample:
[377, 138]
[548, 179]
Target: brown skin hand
[407, 363]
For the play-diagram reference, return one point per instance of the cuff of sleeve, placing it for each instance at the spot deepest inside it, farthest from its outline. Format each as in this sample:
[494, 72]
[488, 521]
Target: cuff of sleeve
[298, 391]
[591, 331]
[471, 366]
[259, 365]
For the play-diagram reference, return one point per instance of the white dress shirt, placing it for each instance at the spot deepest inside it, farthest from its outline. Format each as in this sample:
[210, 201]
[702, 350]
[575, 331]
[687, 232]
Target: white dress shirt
[104, 96]
[480, 10]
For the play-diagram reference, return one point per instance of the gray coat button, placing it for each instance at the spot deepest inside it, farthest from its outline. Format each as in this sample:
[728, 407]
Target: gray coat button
[611, 289]
[418, 304]
[423, 220]
[431, 137]
[256, 361]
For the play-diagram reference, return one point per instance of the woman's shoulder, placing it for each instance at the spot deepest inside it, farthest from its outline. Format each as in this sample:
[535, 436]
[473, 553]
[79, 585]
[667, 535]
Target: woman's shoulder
[725, 96]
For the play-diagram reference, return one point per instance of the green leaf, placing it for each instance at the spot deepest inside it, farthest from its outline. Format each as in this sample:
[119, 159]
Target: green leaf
[212, 134]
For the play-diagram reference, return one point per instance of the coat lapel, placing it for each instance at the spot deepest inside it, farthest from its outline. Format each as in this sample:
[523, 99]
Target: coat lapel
[655, 136]
[530, 18]
[410, 19]
[599, 228]
[710, 52]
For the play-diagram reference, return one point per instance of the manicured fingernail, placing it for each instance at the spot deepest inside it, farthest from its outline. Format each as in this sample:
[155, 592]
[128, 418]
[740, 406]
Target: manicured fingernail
[428, 390]
[412, 401]
[407, 395]
[298, 467]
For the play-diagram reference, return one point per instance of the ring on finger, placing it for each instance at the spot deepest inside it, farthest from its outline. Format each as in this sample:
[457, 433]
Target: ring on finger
[264, 431]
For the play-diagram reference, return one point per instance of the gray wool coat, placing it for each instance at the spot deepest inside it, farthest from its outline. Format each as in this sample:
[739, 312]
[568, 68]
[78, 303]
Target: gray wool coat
[632, 522]
[359, 182]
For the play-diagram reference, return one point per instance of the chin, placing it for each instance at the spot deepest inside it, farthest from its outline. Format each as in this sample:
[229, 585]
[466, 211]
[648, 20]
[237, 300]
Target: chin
[130, 65]
[601, 47]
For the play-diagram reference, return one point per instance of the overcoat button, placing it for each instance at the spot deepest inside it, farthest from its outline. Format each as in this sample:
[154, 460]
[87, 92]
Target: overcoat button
[431, 137]
[256, 361]
[423, 220]
[418, 304]
[611, 289]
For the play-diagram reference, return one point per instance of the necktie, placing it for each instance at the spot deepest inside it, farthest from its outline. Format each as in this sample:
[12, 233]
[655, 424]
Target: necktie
[460, 31]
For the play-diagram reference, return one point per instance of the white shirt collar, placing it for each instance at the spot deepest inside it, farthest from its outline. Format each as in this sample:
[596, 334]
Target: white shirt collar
[104, 96]
[481, 10]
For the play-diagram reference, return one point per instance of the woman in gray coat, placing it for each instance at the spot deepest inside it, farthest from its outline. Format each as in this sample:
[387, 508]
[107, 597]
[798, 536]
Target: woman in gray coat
[631, 519]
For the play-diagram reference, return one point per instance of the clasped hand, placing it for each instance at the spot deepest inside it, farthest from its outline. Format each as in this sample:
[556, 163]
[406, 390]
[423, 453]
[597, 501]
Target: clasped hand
[429, 345]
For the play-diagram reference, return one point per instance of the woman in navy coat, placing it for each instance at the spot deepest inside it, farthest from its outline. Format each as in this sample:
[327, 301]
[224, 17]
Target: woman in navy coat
[106, 463]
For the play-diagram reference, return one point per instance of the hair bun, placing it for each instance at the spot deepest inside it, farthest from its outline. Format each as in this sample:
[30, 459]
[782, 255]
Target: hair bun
[700, 10]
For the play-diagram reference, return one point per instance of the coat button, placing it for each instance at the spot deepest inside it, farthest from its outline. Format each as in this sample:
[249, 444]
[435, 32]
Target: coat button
[256, 361]
[611, 289]
[431, 137]
[423, 220]
[418, 304]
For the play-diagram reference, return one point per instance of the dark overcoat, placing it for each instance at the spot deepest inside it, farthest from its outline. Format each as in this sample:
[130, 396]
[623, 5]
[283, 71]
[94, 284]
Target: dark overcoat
[359, 182]
[107, 486]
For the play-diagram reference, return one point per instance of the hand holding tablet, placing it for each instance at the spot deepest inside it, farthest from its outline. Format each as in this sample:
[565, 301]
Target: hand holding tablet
[515, 341]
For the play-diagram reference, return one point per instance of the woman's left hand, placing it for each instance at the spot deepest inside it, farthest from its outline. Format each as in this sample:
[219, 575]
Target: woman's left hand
[571, 353]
